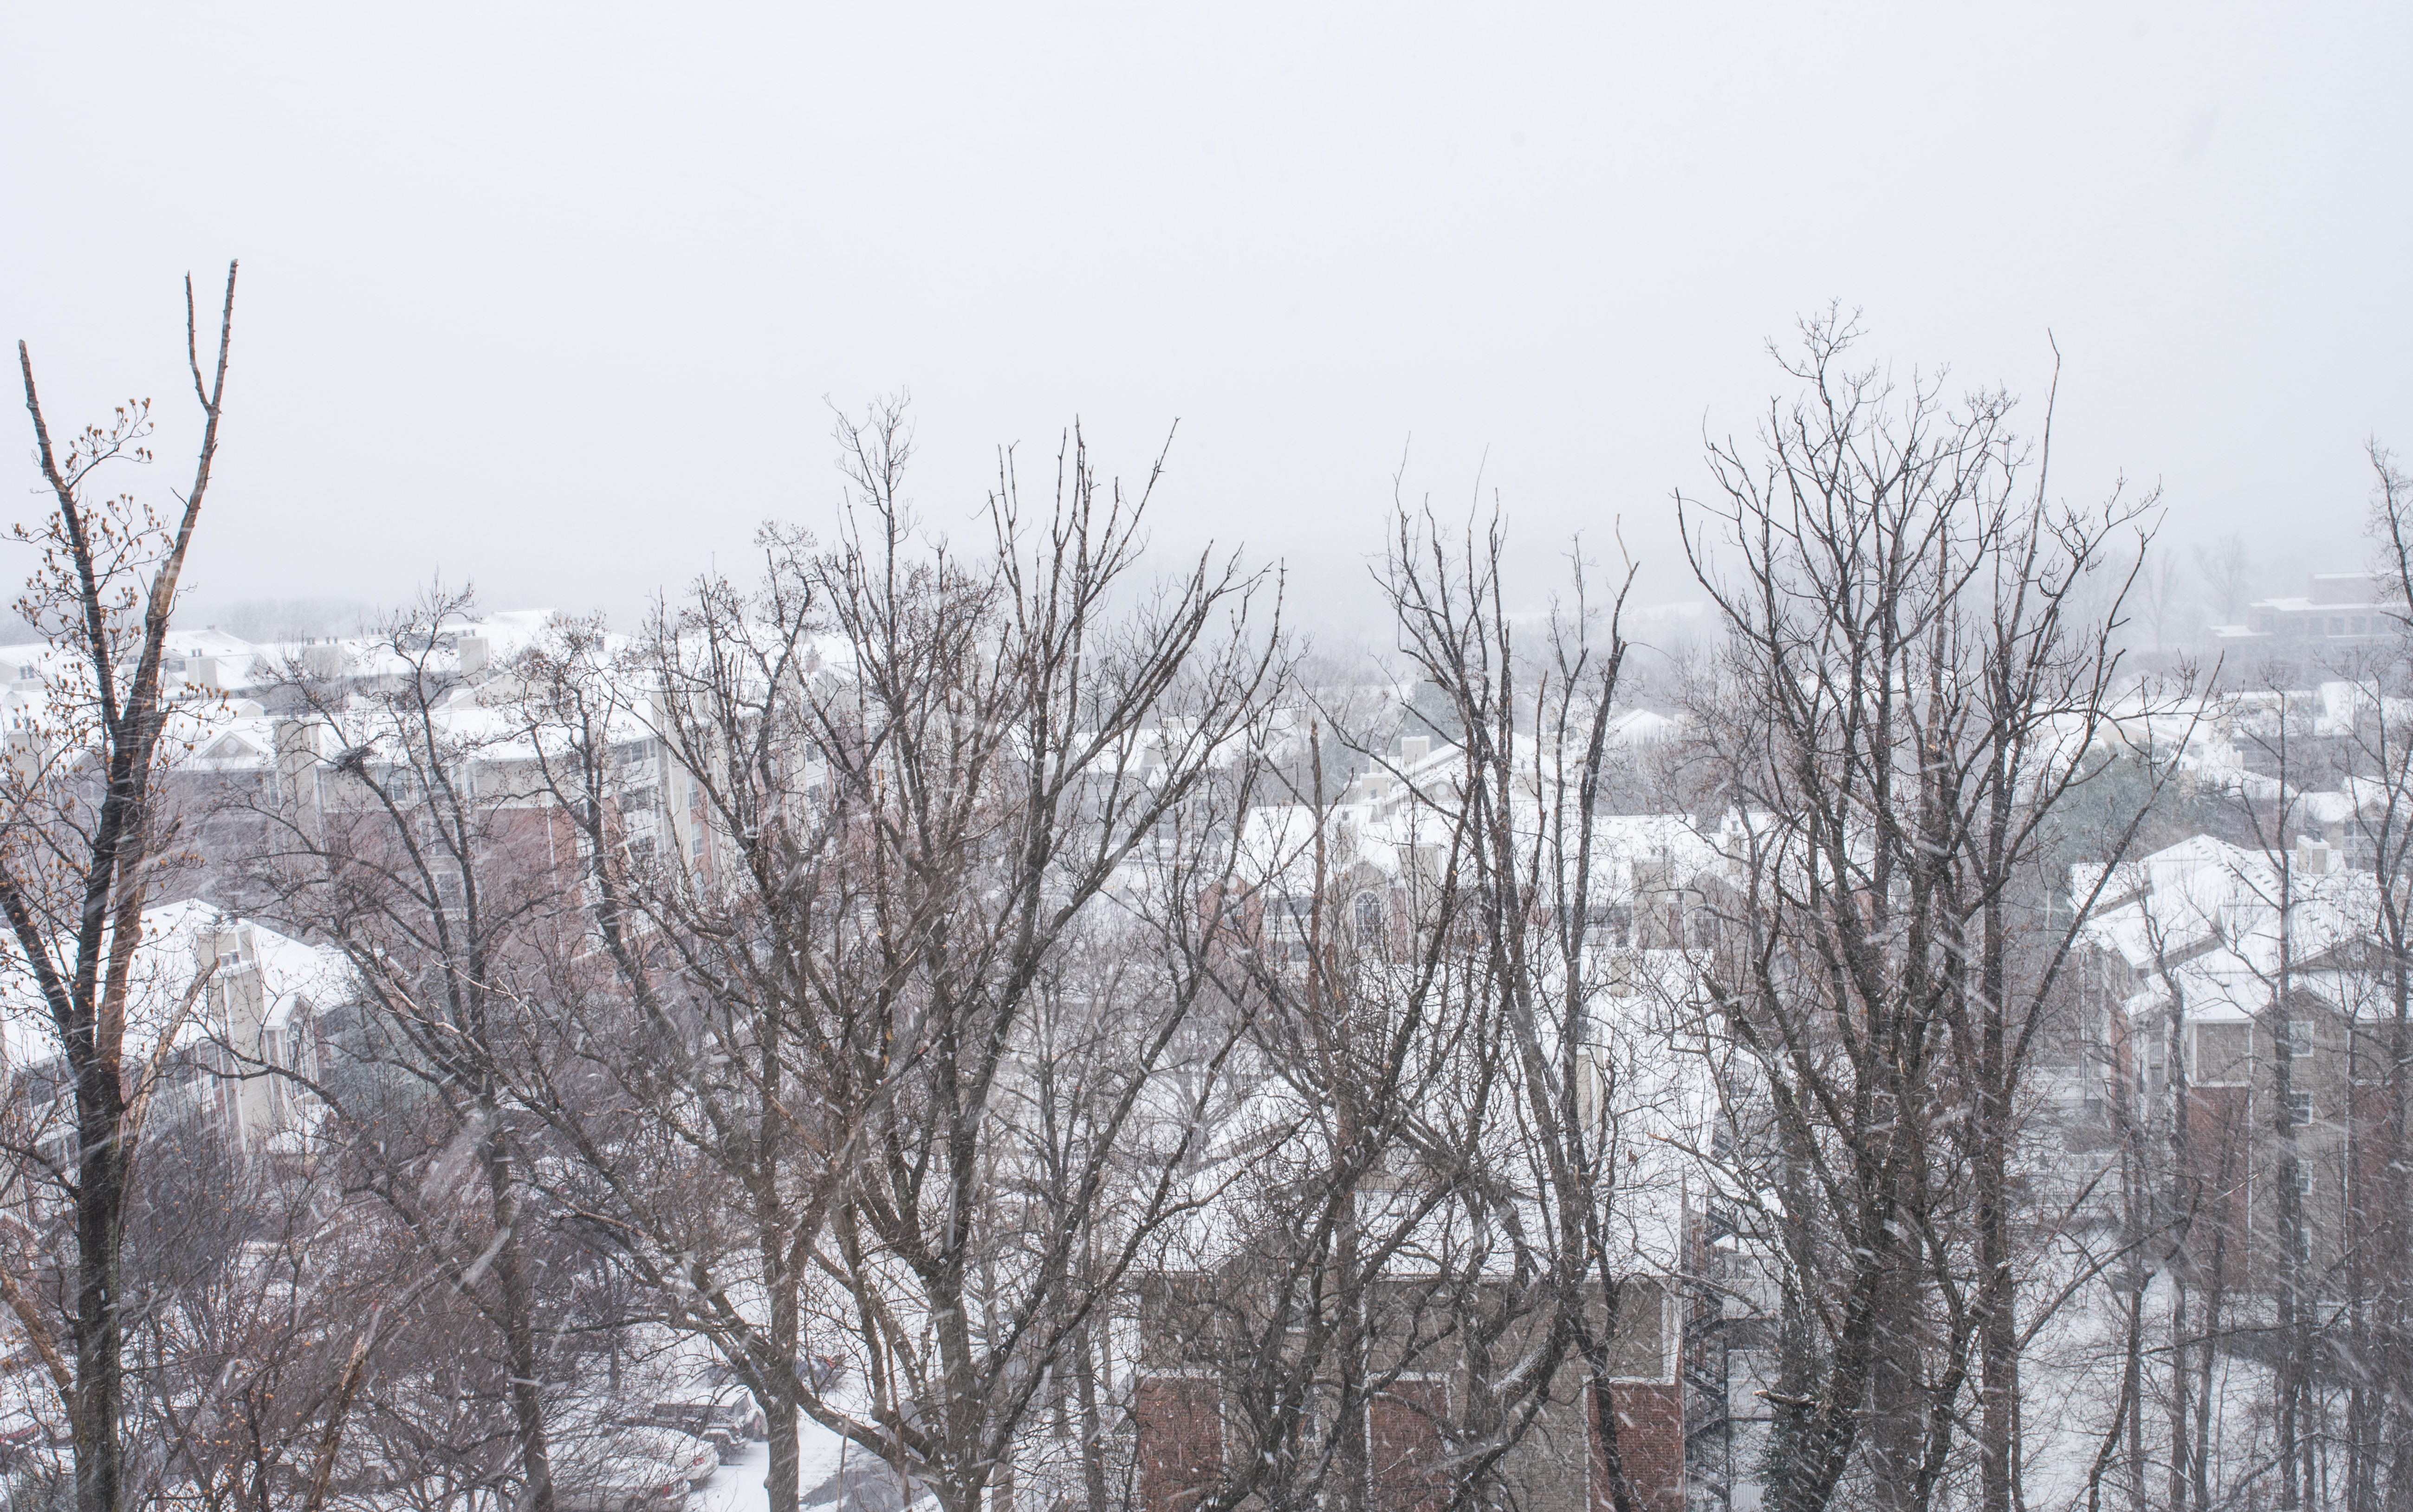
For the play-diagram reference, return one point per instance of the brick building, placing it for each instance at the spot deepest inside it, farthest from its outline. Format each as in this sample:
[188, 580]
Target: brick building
[1194, 1387]
[267, 1003]
[2336, 607]
[2203, 1015]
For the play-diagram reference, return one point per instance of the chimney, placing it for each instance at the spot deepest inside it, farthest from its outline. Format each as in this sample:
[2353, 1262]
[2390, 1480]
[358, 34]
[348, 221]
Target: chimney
[473, 654]
[1414, 748]
[298, 753]
[2313, 858]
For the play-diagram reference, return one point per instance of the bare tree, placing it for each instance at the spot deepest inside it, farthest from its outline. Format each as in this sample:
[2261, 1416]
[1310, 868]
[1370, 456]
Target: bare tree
[264, 1307]
[420, 846]
[1532, 804]
[82, 836]
[1415, 1288]
[1353, 1247]
[2379, 1165]
[2290, 881]
[2227, 570]
[2182, 1164]
[906, 786]
[1907, 691]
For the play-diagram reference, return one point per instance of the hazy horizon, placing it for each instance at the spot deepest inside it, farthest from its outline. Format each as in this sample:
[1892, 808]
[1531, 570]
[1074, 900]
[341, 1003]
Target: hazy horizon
[562, 302]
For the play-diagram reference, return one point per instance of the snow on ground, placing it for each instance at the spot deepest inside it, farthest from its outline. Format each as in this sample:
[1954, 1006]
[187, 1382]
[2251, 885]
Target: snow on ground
[832, 1474]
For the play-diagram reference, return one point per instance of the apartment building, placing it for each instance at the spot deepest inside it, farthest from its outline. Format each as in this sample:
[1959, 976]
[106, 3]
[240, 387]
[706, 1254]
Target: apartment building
[2336, 608]
[1194, 1375]
[2238, 991]
[267, 1006]
[1355, 879]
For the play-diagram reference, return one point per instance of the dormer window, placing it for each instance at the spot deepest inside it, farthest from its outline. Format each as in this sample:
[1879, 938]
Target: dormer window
[1368, 908]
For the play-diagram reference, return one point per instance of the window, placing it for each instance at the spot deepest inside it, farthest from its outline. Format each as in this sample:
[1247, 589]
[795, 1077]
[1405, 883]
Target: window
[2337, 625]
[2221, 1053]
[301, 1042]
[2300, 1108]
[1594, 1084]
[1367, 910]
[1610, 924]
[2358, 624]
[1627, 976]
[2304, 1178]
[2298, 1037]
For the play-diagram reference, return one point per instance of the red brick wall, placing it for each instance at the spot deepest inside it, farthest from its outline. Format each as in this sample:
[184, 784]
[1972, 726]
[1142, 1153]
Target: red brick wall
[1649, 1443]
[1180, 1440]
[2220, 1137]
[1181, 1445]
[1405, 1446]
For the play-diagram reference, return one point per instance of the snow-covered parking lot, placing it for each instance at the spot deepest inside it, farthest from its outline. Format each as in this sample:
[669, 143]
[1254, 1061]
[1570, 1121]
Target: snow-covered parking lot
[831, 1473]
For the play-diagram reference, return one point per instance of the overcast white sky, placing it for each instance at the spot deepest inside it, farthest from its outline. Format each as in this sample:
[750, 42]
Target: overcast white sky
[555, 296]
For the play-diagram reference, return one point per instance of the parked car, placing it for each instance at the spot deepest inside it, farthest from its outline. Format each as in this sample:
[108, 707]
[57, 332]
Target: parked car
[693, 1456]
[725, 1422]
[631, 1467]
[19, 1441]
[610, 1475]
[27, 1437]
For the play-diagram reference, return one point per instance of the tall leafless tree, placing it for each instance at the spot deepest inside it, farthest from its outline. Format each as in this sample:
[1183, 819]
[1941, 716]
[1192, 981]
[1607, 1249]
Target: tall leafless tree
[910, 784]
[84, 832]
[420, 846]
[2227, 570]
[1537, 726]
[1908, 688]
[2378, 1171]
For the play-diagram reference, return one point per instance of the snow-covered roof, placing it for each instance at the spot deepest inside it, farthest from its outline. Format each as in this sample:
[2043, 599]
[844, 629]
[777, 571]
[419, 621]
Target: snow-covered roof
[176, 939]
[2322, 605]
[2203, 917]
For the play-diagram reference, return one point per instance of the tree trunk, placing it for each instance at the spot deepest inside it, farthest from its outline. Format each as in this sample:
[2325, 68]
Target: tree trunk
[1997, 1333]
[1612, 1455]
[2206, 1348]
[519, 1331]
[2183, 1183]
[102, 865]
[2395, 1300]
[780, 1421]
[99, 1324]
[781, 1416]
[1093, 1448]
[1901, 1415]
[2294, 1320]
[2182, 1450]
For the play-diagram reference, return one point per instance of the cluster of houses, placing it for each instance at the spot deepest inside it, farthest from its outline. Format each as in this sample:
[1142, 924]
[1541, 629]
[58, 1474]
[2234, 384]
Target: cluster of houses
[2334, 609]
[2248, 992]
[2204, 962]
